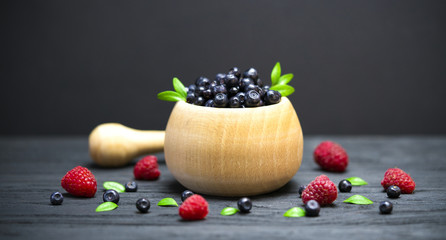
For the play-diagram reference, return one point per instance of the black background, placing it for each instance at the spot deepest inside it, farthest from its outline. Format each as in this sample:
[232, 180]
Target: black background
[361, 67]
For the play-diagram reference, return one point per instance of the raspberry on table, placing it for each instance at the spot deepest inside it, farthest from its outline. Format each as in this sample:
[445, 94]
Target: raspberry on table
[331, 157]
[147, 168]
[80, 182]
[322, 190]
[194, 207]
[397, 177]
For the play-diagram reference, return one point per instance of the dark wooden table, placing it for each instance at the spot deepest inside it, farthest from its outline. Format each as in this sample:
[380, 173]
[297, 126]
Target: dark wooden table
[31, 169]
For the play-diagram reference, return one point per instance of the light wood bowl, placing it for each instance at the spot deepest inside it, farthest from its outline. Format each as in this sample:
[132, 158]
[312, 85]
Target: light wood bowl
[233, 152]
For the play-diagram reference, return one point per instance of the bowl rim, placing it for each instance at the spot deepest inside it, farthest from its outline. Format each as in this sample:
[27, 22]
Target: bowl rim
[284, 100]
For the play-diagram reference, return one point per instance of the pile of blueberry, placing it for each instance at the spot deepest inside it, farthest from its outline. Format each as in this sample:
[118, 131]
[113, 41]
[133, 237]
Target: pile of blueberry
[233, 89]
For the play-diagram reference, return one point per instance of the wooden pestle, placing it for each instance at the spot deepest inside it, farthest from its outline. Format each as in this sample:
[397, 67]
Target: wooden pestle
[115, 145]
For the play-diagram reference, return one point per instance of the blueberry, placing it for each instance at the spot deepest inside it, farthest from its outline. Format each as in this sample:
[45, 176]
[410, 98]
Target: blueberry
[244, 204]
[241, 97]
[234, 102]
[250, 87]
[143, 205]
[245, 82]
[393, 191]
[219, 89]
[258, 89]
[266, 88]
[202, 81]
[213, 84]
[272, 97]
[259, 82]
[199, 91]
[209, 103]
[251, 73]
[207, 93]
[186, 194]
[56, 198]
[385, 207]
[235, 71]
[190, 98]
[199, 101]
[312, 208]
[131, 187]
[191, 88]
[232, 91]
[220, 100]
[220, 78]
[111, 196]
[231, 80]
[252, 99]
[261, 103]
[301, 189]
[345, 186]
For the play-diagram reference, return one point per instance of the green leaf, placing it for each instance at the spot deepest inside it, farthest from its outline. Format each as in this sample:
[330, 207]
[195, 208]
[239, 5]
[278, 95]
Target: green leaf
[295, 212]
[285, 90]
[107, 206]
[227, 211]
[358, 199]
[170, 96]
[285, 79]
[356, 181]
[167, 202]
[275, 74]
[179, 87]
[115, 186]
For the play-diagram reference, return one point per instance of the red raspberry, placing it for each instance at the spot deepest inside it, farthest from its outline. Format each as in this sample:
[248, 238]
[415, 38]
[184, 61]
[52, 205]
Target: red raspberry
[194, 207]
[322, 190]
[331, 157]
[80, 182]
[397, 177]
[147, 168]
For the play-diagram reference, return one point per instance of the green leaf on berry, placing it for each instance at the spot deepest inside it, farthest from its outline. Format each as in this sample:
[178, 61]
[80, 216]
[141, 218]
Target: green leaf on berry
[168, 202]
[358, 199]
[285, 90]
[228, 211]
[107, 206]
[115, 186]
[179, 87]
[295, 212]
[275, 74]
[170, 96]
[356, 181]
[285, 79]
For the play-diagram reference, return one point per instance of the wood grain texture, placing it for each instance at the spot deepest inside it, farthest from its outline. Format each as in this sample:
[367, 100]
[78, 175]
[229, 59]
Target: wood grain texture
[31, 169]
[115, 145]
[233, 152]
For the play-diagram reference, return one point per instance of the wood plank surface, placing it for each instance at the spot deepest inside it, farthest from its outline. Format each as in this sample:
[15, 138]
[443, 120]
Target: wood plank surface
[31, 169]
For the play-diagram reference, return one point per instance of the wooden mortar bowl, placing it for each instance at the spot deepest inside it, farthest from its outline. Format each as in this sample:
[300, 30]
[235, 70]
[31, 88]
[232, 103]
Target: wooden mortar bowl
[233, 152]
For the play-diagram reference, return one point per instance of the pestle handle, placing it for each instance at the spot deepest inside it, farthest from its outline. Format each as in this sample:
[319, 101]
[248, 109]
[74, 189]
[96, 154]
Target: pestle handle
[114, 145]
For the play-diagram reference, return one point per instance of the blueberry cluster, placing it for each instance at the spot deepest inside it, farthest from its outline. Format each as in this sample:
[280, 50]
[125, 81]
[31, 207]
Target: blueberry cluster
[233, 89]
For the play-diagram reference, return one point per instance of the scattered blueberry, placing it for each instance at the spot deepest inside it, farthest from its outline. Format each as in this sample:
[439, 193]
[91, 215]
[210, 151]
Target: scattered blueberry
[231, 80]
[244, 204]
[235, 71]
[345, 186]
[143, 205]
[312, 208]
[209, 103]
[190, 97]
[202, 81]
[186, 194]
[131, 187]
[393, 191]
[111, 196]
[56, 198]
[385, 207]
[220, 78]
[199, 101]
[301, 189]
